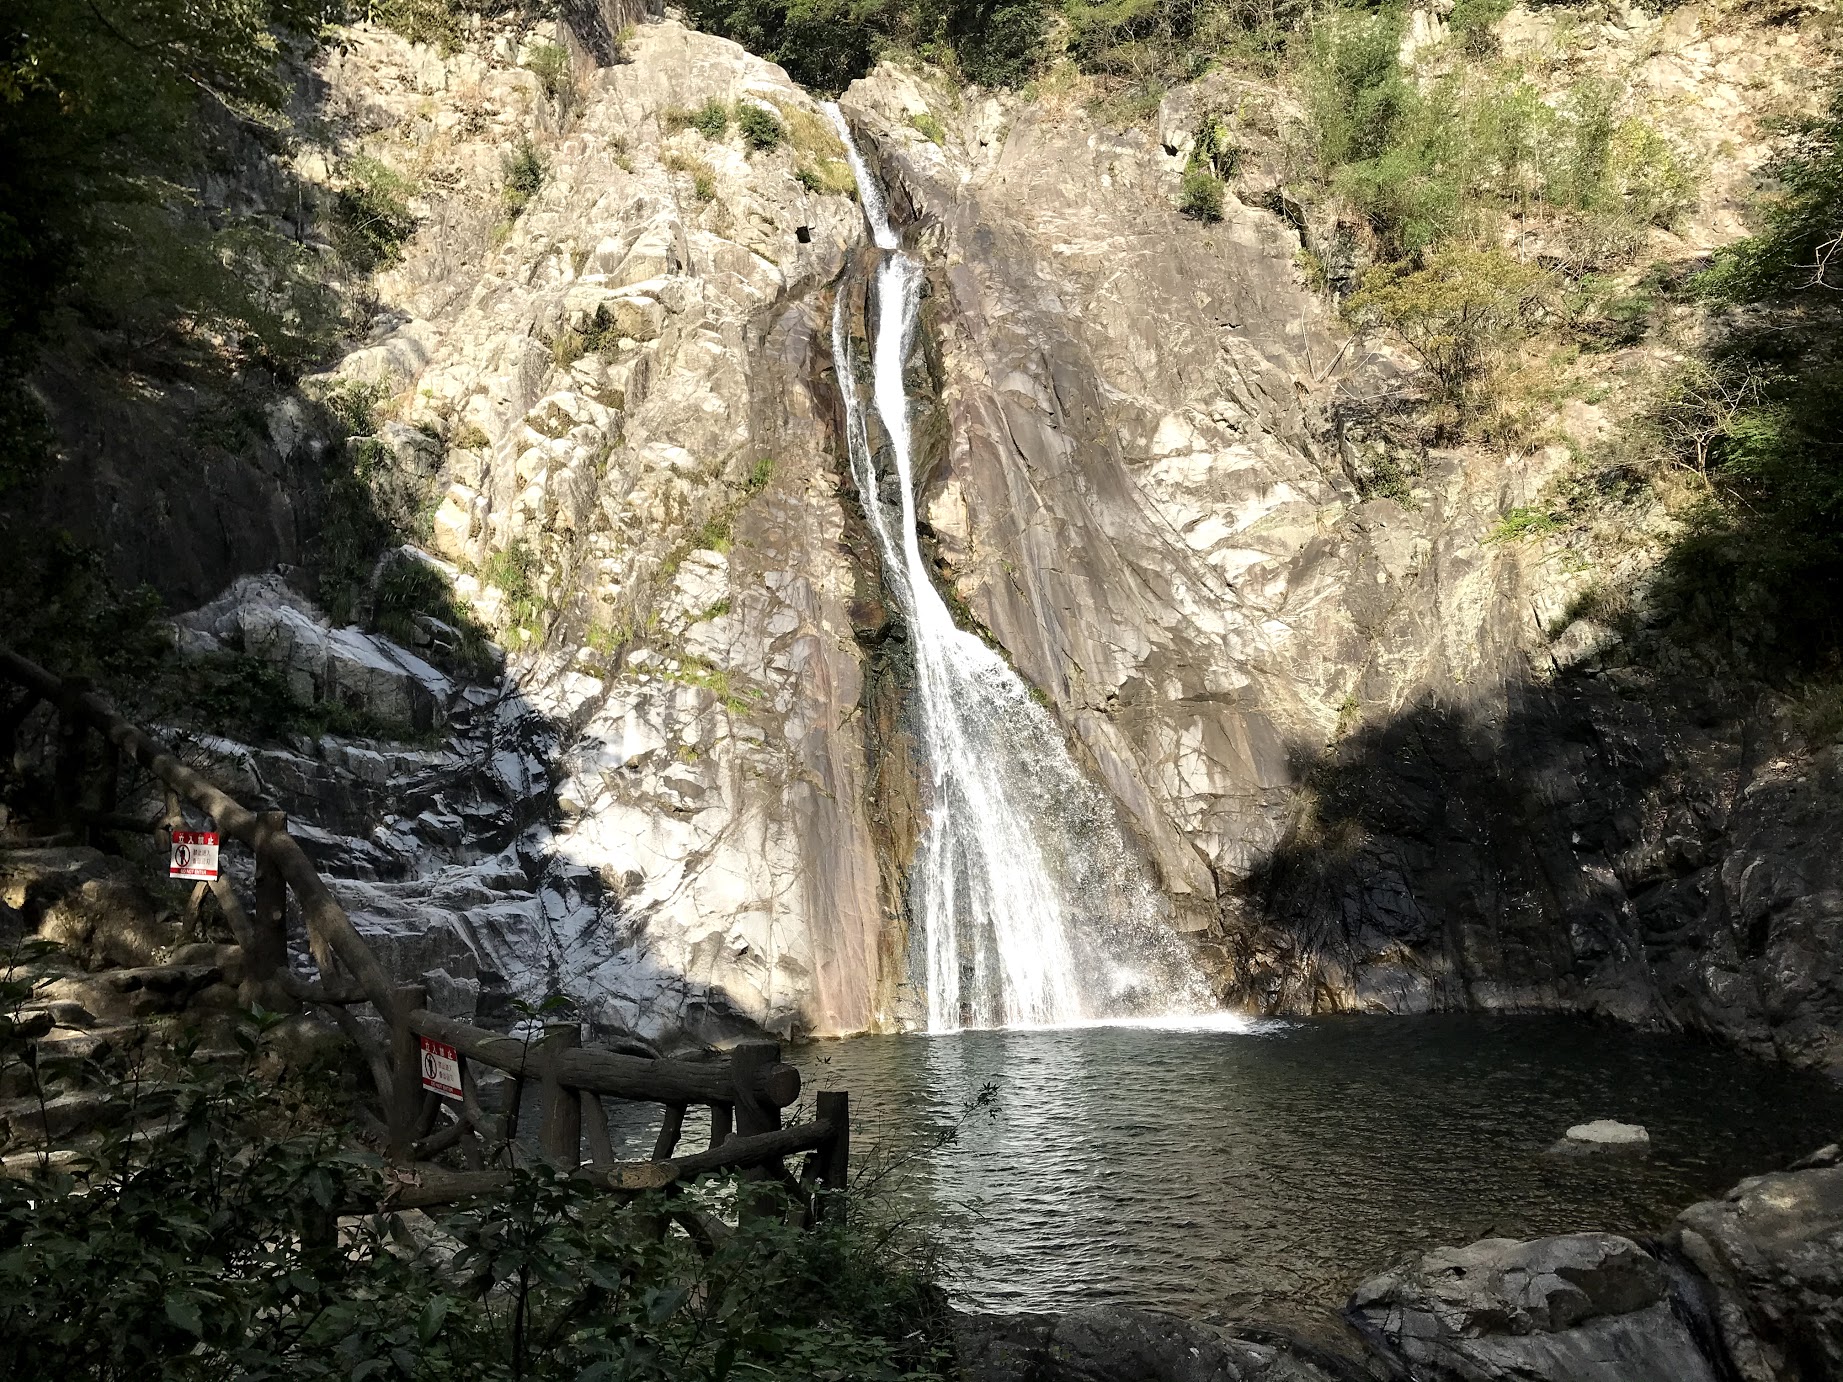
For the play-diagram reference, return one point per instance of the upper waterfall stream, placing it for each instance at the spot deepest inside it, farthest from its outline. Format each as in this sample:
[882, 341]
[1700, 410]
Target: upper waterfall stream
[1032, 906]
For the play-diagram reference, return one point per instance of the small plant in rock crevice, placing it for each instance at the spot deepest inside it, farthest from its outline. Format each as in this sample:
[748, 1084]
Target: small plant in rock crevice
[759, 129]
[524, 174]
[372, 220]
[1200, 195]
[928, 127]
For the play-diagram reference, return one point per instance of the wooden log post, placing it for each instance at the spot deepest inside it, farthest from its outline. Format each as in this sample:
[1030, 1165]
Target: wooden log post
[560, 1134]
[670, 1130]
[266, 954]
[755, 1114]
[406, 1095]
[595, 1119]
[73, 732]
[833, 1108]
[748, 1063]
[721, 1116]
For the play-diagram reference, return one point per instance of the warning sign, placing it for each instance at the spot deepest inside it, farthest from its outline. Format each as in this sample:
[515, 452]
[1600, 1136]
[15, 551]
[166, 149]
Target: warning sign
[195, 854]
[441, 1068]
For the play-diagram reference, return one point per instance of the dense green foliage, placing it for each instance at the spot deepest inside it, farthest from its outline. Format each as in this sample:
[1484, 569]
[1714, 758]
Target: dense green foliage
[371, 214]
[1760, 418]
[1427, 163]
[1454, 310]
[107, 112]
[209, 1244]
[760, 130]
[825, 44]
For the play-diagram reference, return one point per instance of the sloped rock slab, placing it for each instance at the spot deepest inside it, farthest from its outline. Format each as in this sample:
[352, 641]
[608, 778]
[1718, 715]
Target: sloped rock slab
[1773, 1248]
[1110, 1344]
[1583, 1307]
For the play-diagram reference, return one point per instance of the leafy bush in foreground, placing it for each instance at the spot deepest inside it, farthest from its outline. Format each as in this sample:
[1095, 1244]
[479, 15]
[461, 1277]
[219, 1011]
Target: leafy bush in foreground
[216, 1249]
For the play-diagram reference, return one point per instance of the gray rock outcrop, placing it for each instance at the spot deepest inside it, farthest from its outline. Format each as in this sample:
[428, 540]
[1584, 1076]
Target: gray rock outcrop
[1585, 1307]
[1773, 1249]
[1112, 1344]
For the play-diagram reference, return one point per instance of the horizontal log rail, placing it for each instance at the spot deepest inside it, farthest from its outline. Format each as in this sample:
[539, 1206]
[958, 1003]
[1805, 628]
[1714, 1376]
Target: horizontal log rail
[745, 1093]
[421, 1186]
[600, 1072]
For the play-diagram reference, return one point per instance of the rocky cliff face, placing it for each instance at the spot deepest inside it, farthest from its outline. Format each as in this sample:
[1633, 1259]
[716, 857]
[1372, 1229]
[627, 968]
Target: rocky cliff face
[1375, 755]
[1371, 761]
[661, 808]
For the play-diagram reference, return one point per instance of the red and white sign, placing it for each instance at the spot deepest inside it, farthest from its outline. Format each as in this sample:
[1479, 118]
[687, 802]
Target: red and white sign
[441, 1068]
[195, 854]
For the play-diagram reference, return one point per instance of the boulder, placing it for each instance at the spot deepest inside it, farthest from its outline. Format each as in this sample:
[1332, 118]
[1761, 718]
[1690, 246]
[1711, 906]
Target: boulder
[1604, 1135]
[92, 904]
[1583, 1307]
[1773, 1249]
[1113, 1344]
[263, 617]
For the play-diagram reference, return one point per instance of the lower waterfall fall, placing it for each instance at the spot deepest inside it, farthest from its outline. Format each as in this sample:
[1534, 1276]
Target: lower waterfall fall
[1031, 906]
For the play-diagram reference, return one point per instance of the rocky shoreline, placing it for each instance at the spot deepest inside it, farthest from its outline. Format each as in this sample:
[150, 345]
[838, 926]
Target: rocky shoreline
[1746, 1288]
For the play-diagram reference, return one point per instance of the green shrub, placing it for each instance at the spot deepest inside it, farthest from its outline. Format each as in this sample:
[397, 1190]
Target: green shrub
[372, 219]
[1796, 248]
[435, 22]
[411, 592]
[832, 178]
[1473, 23]
[760, 130]
[247, 1240]
[1518, 524]
[712, 119]
[928, 127]
[1200, 195]
[1455, 312]
[550, 63]
[525, 171]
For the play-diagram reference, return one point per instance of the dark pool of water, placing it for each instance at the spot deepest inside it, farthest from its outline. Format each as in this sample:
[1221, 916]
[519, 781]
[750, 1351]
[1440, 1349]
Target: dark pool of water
[1261, 1176]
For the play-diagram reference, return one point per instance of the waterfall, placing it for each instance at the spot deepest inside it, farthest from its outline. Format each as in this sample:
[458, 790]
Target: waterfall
[1033, 908]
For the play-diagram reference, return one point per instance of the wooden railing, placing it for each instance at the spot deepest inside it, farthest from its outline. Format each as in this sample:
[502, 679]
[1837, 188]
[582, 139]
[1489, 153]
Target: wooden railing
[745, 1093]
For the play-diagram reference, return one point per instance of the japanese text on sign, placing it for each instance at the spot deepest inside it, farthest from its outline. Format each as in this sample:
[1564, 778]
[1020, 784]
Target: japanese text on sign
[195, 854]
[441, 1068]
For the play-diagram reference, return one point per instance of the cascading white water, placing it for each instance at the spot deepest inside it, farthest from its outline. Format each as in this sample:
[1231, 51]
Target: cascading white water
[1033, 909]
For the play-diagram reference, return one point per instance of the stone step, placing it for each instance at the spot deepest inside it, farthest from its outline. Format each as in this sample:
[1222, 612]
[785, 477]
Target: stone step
[30, 1120]
[141, 991]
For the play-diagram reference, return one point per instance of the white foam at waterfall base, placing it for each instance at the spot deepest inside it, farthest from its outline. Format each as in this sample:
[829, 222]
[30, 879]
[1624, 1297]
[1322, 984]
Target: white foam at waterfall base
[1031, 902]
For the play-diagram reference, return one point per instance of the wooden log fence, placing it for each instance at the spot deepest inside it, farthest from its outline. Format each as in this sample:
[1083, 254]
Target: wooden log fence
[745, 1093]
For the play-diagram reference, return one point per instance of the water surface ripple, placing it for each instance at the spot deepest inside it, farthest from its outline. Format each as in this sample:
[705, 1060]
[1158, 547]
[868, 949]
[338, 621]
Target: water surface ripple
[1262, 1175]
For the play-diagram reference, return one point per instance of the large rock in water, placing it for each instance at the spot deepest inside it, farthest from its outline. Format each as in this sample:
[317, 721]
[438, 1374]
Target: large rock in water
[1773, 1248]
[1585, 1307]
[1110, 1344]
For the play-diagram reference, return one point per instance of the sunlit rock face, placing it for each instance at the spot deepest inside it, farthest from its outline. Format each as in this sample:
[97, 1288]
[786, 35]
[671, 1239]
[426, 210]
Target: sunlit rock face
[659, 811]
[1378, 755]
[1328, 705]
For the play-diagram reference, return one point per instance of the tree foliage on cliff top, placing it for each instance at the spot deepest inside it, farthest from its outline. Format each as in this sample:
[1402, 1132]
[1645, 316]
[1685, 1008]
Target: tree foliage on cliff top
[110, 113]
[1763, 560]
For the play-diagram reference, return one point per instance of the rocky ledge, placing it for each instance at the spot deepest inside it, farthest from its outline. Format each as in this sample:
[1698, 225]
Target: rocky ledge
[1747, 1288]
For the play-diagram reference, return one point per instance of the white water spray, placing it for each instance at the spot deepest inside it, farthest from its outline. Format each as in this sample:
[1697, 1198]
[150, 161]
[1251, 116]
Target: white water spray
[1033, 909]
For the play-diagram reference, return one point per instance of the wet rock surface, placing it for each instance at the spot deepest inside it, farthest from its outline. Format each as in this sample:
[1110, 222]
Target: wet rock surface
[1585, 1307]
[1744, 1287]
[1112, 1344]
[1773, 1250]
